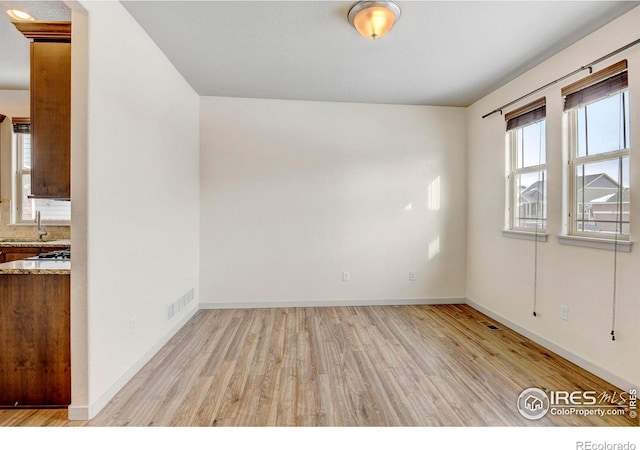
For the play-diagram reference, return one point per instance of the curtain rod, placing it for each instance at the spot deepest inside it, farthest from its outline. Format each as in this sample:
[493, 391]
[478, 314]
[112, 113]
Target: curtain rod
[585, 67]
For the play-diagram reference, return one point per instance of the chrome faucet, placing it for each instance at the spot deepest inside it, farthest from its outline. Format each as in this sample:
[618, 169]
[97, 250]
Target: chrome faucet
[42, 231]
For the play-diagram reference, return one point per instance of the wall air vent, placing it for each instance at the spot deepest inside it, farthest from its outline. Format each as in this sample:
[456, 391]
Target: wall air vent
[174, 308]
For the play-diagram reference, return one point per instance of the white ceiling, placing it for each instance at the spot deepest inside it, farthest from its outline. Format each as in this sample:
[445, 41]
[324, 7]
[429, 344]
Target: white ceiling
[438, 53]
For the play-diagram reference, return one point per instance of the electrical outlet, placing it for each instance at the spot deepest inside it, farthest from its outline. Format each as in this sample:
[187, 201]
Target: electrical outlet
[564, 312]
[132, 325]
[346, 277]
[412, 276]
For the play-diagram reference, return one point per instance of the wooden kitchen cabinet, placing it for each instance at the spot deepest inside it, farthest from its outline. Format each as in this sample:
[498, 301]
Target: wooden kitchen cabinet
[35, 344]
[51, 120]
[50, 92]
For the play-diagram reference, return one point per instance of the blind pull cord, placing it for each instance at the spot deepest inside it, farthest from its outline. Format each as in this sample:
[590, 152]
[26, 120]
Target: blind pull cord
[535, 274]
[618, 231]
[535, 244]
[615, 268]
[615, 252]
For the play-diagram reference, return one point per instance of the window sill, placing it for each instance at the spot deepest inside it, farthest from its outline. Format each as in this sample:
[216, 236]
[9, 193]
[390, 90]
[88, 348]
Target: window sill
[526, 235]
[603, 244]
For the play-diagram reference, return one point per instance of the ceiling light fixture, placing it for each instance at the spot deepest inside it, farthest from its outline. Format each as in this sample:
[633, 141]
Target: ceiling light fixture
[374, 19]
[16, 14]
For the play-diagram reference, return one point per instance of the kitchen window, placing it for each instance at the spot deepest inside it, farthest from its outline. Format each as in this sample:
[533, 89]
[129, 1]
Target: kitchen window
[53, 212]
[598, 116]
[526, 199]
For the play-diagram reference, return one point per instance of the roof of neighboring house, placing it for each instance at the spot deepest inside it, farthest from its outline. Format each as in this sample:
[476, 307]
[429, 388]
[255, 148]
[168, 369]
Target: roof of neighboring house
[537, 186]
[613, 198]
[535, 192]
[598, 180]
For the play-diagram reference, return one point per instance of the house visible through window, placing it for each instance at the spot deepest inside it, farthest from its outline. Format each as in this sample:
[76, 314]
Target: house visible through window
[51, 211]
[599, 151]
[527, 170]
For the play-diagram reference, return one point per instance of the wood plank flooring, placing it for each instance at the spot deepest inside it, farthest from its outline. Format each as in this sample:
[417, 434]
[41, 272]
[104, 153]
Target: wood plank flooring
[339, 366]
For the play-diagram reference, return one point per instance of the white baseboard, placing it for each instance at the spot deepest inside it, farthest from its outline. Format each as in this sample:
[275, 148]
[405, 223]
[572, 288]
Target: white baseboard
[80, 412]
[599, 371]
[328, 303]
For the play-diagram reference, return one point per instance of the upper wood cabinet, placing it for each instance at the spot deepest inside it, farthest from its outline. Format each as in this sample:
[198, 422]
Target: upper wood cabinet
[50, 92]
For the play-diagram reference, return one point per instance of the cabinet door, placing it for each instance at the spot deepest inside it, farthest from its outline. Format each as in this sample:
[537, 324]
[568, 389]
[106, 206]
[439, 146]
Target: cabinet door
[35, 362]
[51, 119]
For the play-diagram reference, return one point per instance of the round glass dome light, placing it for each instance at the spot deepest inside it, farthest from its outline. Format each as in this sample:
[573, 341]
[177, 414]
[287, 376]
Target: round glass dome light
[16, 14]
[374, 19]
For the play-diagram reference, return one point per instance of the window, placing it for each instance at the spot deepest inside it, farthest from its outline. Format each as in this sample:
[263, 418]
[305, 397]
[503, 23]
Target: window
[53, 212]
[526, 168]
[598, 117]
[24, 208]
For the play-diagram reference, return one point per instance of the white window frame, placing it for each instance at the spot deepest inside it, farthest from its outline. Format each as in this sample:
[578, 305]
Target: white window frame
[512, 176]
[574, 162]
[19, 172]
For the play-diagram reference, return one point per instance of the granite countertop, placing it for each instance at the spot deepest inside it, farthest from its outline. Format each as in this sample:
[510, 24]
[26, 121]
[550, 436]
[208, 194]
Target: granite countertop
[8, 242]
[35, 266]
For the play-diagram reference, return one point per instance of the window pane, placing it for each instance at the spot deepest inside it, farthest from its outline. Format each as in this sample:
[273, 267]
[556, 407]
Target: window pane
[582, 132]
[603, 126]
[626, 118]
[531, 145]
[602, 196]
[53, 210]
[26, 151]
[530, 201]
[28, 213]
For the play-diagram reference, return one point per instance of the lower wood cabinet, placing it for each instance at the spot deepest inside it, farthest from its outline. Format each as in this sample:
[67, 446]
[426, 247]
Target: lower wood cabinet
[35, 348]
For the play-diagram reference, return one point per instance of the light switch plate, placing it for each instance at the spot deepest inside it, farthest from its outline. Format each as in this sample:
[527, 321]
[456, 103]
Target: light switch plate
[564, 312]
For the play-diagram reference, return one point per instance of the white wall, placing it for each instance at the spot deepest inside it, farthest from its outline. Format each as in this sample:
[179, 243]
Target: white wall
[141, 199]
[295, 193]
[79, 408]
[500, 270]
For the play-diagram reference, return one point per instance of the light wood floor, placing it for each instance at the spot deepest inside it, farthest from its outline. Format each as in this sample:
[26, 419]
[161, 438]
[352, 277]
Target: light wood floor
[343, 366]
